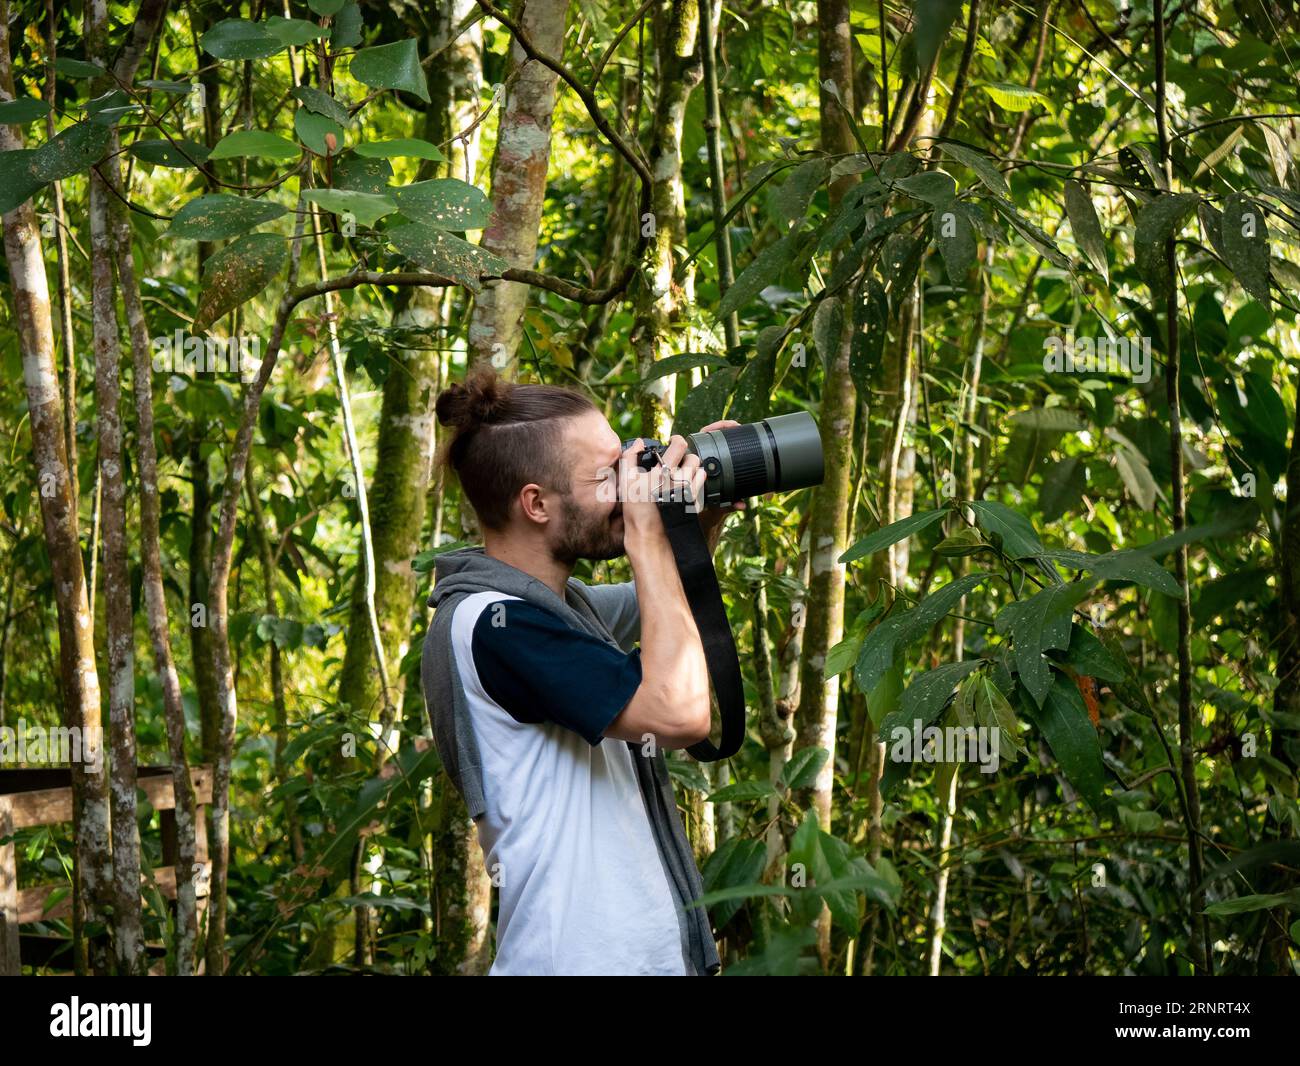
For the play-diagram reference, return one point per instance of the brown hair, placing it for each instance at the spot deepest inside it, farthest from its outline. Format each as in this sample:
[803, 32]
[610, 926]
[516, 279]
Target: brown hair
[506, 436]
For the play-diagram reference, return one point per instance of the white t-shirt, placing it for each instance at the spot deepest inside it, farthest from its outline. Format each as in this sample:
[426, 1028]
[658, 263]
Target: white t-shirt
[565, 835]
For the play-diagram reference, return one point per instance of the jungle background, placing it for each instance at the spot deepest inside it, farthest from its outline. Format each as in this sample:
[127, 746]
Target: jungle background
[247, 244]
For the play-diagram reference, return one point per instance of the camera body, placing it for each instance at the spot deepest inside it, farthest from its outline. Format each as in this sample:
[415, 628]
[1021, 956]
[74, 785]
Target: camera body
[775, 455]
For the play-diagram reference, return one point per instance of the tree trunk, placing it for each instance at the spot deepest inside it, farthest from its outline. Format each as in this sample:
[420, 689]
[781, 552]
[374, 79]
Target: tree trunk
[519, 166]
[660, 299]
[78, 674]
[828, 527]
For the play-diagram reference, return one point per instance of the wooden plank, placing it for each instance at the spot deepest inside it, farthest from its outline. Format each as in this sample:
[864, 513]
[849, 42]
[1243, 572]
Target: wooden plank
[32, 901]
[10, 951]
[50, 806]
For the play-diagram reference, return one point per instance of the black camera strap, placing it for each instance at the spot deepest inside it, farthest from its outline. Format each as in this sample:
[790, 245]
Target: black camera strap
[700, 583]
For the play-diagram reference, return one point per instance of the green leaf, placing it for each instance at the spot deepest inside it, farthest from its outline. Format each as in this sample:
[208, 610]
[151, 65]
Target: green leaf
[347, 26]
[1156, 223]
[294, 32]
[738, 861]
[706, 402]
[1136, 475]
[1088, 655]
[992, 710]
[392, 66]
[366, 208]
[400, 147]
[254, 143]
[1247, 904]
[315, 131]
[240, 39]
[893, 533]
[1063, 720]
[1018, 537]
[1014, 97]
[1134, 564]
[902, 627]
[790, 201]
[1045, 246]
[163, 153]
[932, 186]
[326, 7]
[765, 268]
[932, 19]
[77, 68]
[23, 110]
[827, 860]
[1087, 229]
[445, 203]
[804, 766]
[927, 695]
[215, 217]
[237, 273]
[984, 166]
[1035, 625]
[1063, 488]
[364, 175]
[322, 103]
[828, 327]
[953, 232]
[678, 364]
[742, 791]
[450, 257]
[1245, 242]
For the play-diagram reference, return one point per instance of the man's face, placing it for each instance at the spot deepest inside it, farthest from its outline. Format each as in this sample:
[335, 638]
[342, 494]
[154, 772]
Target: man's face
[590, 522]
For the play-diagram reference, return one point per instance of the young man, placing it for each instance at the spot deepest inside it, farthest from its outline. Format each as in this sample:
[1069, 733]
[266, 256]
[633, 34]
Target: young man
[548, 720]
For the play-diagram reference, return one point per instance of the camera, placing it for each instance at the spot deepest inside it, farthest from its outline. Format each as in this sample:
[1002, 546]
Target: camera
[775, 455]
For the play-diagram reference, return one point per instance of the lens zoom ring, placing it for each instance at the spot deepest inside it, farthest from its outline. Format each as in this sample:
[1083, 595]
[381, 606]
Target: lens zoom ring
[747, 461]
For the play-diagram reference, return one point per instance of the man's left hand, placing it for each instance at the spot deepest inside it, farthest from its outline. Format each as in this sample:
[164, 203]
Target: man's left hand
[712, 518]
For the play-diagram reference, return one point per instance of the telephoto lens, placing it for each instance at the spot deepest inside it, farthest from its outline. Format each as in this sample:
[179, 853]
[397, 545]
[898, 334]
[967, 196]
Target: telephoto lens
[775, 455]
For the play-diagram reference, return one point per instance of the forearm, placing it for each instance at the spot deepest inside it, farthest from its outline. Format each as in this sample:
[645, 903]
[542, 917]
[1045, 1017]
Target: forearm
[673, 700]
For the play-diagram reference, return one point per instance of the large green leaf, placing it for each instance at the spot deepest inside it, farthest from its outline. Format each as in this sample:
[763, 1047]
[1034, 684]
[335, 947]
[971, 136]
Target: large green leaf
[932, 19]
[926, 696]
[1156, 223]
[237, 273]
[954, 233]
[1036, 624]
[163, 153]
[321, 103]
[215, 217]
[294, 32]
[1087, 229]
[448, 256]
[1063, 720]
[984, 166]
[241, 39]
[319, 133]
[23, 110]
[893, 533]
[367, 208]
[1134, 565]
[407, 147]
[765, 268]
[738, 861]
[1245, 243]
[256, 144]
[902, 627]
[1044, 244]
[931, 186]
[392, 66]
[1015, 530]
[804, 766]
[445, 203]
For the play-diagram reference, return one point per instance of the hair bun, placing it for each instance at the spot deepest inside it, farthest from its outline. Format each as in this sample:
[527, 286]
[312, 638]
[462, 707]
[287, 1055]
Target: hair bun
[482, 399]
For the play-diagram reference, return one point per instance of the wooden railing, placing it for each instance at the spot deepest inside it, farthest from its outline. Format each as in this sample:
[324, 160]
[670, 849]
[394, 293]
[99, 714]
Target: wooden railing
[38, 797]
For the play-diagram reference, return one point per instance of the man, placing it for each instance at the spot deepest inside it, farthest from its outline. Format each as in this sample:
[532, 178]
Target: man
[550, 723]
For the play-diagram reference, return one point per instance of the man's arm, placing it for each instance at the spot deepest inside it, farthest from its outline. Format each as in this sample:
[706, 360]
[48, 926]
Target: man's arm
[672, 701]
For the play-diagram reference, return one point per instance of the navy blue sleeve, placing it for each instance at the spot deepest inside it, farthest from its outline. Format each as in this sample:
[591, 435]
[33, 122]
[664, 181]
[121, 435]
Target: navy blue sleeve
[541, 670]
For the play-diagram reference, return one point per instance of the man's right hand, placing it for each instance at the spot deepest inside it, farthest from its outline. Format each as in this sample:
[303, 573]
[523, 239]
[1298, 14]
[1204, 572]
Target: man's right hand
[678, 473]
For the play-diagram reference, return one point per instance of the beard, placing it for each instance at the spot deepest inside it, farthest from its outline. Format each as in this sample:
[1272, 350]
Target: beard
[588, 536]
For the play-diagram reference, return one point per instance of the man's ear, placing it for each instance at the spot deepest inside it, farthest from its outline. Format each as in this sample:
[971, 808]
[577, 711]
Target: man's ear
[532, 504]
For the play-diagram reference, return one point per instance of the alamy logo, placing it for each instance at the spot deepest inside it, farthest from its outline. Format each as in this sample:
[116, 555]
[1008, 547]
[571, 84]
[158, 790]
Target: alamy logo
[184, 353]
[102, 1019]
[1098, 355]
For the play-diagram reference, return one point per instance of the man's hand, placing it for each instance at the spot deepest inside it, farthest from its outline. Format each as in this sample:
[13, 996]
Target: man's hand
[712, 518]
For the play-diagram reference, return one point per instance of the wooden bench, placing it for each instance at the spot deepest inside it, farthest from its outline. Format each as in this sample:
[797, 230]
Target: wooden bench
[38, 797]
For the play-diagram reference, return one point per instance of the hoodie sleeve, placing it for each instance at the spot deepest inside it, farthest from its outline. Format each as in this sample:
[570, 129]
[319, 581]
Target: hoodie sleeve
[538, 669]
[618, 609]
